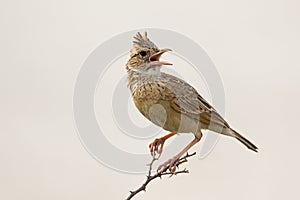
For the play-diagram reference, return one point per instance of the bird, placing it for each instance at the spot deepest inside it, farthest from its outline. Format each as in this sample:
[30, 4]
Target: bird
[170, 102]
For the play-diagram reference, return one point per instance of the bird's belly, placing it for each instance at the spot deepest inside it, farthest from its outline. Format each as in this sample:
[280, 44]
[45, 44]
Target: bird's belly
[161, 114]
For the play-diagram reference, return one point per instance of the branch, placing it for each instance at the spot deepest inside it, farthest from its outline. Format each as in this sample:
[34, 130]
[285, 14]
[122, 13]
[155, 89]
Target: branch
[161, 173]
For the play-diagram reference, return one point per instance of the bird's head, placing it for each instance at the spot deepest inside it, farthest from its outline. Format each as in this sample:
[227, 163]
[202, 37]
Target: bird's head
[145, 54]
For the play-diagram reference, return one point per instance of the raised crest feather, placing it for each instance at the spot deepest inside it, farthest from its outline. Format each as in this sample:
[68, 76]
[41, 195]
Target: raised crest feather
[142, 41]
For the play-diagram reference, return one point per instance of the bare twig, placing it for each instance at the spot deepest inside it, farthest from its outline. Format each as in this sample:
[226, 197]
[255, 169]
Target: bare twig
[161, 173]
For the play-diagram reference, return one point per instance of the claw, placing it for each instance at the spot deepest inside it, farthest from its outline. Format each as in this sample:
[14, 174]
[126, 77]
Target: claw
[156, 147]
[171, 164]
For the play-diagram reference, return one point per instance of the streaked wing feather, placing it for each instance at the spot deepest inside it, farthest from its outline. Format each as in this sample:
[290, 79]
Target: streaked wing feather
[186, 100]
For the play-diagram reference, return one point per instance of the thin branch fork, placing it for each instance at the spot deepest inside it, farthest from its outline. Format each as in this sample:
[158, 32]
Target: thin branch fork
[161, 173]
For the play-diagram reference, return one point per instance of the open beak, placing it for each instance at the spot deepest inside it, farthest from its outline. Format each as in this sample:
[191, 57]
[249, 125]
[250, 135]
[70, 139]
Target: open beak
[154, 59]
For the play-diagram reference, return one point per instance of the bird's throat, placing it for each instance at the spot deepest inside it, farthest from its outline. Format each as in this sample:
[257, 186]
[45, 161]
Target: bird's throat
[137, 78]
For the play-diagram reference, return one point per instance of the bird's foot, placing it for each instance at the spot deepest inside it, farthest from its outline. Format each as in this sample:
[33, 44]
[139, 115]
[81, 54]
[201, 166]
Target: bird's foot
[171, 164]
[156, 147]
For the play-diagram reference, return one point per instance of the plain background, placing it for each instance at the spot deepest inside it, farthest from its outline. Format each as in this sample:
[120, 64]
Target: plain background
[254, 44]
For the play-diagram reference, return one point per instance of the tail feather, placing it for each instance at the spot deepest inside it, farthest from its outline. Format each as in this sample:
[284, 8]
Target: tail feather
[243, 140]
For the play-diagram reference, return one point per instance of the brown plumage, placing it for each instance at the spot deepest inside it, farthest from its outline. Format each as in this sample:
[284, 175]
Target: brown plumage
[170, 102]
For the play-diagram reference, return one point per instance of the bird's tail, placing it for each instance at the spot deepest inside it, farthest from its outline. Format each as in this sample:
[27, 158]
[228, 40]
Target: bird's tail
[243, 140]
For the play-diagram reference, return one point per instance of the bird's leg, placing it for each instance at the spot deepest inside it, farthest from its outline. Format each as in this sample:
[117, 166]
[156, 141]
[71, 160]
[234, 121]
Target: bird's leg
[156, 147]
[171, 163]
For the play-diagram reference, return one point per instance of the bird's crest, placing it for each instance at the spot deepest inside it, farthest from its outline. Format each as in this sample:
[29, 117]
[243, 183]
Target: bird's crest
[142, 41]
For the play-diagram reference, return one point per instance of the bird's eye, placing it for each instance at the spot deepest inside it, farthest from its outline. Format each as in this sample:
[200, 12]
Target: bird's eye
[143, 53]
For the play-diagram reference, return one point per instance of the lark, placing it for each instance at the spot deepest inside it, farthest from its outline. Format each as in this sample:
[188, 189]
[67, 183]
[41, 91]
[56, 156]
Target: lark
[170, 102]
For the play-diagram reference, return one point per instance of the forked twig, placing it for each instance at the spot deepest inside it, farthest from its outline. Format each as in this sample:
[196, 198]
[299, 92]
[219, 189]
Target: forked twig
[161, 173]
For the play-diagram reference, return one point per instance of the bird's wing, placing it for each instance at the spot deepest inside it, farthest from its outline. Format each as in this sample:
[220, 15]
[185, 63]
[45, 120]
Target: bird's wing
[186, 100]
